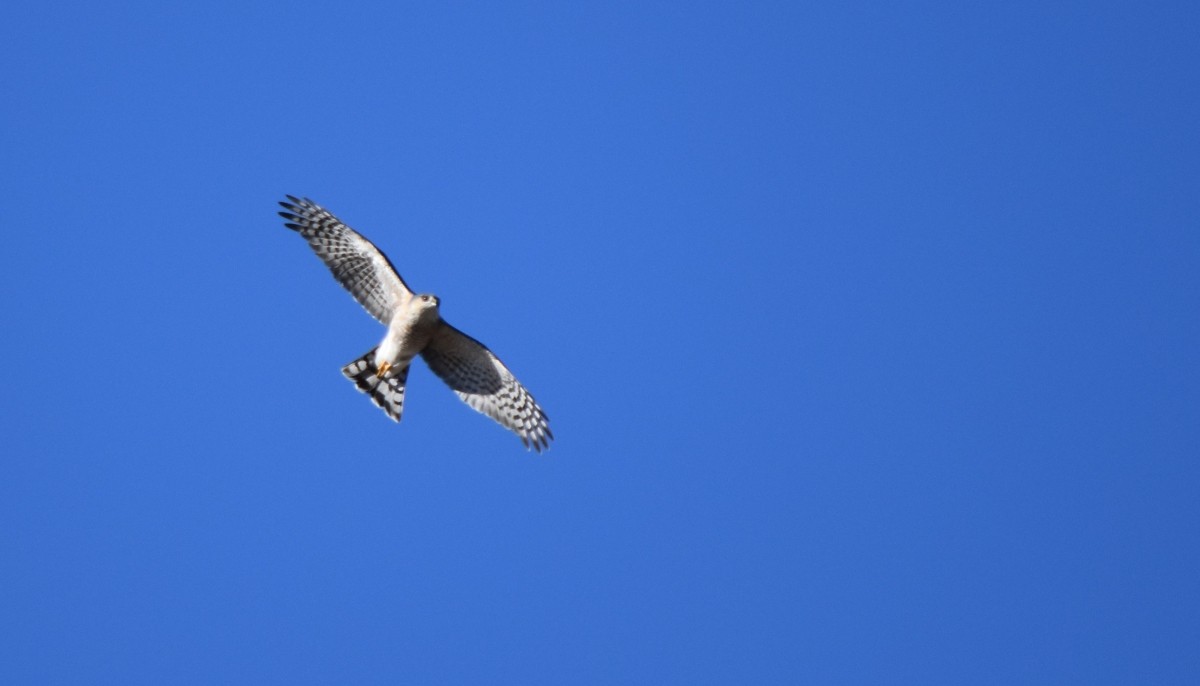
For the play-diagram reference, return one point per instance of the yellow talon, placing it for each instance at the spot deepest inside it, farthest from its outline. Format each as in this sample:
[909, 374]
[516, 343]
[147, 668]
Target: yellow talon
[383, 368]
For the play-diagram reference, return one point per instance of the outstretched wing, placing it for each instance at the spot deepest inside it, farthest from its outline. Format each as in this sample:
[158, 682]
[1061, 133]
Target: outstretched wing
[484, 383]
[356, 263]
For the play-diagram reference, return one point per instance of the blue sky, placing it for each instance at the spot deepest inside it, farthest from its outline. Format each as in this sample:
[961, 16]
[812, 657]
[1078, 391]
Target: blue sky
[868, 333]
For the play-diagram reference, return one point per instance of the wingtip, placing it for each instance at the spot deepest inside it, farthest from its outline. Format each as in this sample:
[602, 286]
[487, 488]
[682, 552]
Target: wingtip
[296, 204]
[538, 442]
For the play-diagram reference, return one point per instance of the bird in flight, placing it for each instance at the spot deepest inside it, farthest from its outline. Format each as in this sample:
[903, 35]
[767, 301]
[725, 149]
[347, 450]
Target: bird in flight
[414, 327]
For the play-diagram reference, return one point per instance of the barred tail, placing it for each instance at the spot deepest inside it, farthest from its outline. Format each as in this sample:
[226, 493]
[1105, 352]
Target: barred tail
[386, 393]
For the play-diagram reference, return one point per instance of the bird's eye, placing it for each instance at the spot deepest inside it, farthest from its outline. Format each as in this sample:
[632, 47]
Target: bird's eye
[425, 298]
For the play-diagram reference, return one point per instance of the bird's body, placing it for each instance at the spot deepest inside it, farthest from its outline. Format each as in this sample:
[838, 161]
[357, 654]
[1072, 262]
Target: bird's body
[415, 327]
[408, 333]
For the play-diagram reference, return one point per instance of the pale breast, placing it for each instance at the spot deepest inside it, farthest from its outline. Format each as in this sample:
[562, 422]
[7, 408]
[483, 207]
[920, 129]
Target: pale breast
[406, 337]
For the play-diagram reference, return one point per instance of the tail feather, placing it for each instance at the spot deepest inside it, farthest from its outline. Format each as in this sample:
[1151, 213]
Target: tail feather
[386, 393]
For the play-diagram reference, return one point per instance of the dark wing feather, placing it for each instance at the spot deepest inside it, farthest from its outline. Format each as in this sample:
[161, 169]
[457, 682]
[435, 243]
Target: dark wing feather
[484, 383]
[356, 263]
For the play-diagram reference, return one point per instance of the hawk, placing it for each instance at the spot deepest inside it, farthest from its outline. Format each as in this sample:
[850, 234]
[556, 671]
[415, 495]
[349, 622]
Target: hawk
[414, 327]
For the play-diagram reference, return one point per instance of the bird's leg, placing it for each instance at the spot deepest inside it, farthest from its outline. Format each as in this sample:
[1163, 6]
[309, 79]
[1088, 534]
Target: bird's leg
[383, 368]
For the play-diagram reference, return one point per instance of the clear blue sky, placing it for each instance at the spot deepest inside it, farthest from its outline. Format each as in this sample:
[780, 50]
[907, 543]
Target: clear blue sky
[868, 332]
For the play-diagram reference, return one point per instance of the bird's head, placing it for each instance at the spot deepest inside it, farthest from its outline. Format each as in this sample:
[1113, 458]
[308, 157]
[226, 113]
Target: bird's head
[427, 304]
